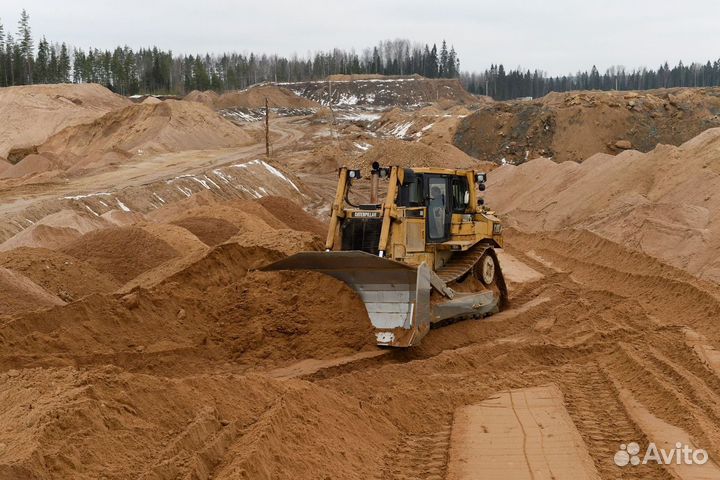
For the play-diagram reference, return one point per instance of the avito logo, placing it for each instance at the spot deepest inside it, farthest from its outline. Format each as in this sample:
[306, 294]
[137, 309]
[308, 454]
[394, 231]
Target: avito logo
[629, 454]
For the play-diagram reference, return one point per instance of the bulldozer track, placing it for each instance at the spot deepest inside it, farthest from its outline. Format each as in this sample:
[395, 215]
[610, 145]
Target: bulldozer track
[461, 263]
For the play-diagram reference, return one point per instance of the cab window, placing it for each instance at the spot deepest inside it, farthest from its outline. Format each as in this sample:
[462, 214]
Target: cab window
[437, 208]
[460, 194]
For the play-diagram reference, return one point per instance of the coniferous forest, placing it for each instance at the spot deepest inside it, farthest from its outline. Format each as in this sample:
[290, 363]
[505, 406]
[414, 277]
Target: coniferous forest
[23, 61]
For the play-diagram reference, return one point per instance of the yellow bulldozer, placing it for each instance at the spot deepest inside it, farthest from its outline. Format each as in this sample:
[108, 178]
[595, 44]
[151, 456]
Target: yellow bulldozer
[423, 255]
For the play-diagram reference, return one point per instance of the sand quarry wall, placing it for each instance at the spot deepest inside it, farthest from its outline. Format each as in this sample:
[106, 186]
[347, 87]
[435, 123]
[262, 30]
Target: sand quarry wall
[383, 92]
[575, 125]
[31, 114]
[664, 202]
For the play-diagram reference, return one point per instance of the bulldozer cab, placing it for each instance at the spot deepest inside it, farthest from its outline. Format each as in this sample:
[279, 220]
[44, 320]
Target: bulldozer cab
[429, 234]
[425, 212]
[441, 194]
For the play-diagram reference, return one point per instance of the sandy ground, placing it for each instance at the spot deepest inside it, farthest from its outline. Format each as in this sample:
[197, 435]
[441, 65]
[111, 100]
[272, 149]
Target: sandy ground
[139, 340]
[518, 434]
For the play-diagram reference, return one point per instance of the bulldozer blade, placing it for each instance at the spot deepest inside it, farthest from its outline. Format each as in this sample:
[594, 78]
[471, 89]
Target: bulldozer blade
[396, 295]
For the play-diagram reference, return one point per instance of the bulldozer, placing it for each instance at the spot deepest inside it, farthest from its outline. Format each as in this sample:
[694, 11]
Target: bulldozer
[423, 256]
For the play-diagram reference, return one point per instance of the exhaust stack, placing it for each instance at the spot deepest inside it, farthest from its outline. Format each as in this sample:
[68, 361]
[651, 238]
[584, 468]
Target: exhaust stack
[374, 183]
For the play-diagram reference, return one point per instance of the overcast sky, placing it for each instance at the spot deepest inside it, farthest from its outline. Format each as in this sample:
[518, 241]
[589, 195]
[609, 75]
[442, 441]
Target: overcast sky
[558, 36]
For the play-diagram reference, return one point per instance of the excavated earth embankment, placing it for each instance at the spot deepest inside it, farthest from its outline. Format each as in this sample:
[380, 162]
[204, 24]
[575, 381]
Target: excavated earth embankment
[576, 125]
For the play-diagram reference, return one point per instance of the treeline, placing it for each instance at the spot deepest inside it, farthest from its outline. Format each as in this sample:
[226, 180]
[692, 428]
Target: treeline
[20, 65]
[157, 71]
[502, 85]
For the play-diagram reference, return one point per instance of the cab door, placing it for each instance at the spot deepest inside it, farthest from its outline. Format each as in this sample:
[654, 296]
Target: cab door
[439, 214]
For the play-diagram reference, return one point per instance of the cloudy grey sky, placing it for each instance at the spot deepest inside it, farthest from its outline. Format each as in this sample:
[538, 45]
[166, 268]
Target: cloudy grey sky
[558, 36]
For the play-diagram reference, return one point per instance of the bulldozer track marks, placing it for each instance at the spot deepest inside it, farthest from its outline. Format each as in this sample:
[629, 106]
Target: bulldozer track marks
[447, 341]
[603, 422]
[595, 338]
[423, 456]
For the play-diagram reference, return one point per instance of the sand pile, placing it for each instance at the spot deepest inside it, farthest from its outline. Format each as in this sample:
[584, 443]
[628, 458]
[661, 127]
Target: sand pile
[256, 216]
[212, 307]
[41, 236]
[284, 240]
[122, 252]
[179, 238]
[203, 221]
[122, 218]
[277, 446]
[31, 114]
[274, 429]
[254, 97]
[33, 164]
[269, 315]
[273, 222]
[231, 216]
[55, 230]
[189, 247]
[151, 101]
[62, 275]
[397, 122]
[439, 131]
[575, 125]
[322, 115]
[663, 203]
[212, 231]
[326, 157]
[144, 129]
[412, 154]
[253, 318]
[215, 268]
[208, 97]
[66, 403]
[292, 215]
[20, 294]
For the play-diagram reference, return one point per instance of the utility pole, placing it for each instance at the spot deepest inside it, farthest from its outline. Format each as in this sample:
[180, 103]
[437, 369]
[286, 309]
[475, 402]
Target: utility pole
[267, 129]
